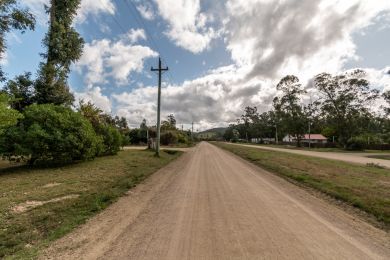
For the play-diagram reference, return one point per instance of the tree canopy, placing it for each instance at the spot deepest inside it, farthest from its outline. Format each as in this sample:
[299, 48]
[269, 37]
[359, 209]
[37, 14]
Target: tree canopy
[12, 17]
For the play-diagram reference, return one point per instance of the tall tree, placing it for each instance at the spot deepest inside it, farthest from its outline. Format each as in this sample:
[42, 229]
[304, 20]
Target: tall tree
[12, 17]
[63, 47]
[386, 96]
[172, 121]
[289, 108]
[21, 90]
[250, 118]
[344, 100]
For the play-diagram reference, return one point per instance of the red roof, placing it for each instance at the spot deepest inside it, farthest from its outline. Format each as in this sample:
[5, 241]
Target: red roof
[315, 137]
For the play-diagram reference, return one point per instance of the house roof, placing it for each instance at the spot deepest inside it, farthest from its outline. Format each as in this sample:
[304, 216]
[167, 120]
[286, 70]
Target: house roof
[315, 137]
[312, 137]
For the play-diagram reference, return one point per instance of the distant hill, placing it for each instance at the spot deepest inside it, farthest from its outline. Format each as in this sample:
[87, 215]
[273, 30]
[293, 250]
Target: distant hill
[212, 133]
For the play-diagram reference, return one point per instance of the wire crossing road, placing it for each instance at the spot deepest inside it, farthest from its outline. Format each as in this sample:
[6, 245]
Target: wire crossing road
[210, 204]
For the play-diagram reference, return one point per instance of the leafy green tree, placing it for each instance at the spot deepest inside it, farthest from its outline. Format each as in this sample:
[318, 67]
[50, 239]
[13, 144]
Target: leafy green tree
[21, 89]
[63, 47]
[12, 17]
[51, 134]
[8, 116]
[289, 108]
[104, 126]
[386, 96]
[249, 118]
[172, 121]
[345, 99]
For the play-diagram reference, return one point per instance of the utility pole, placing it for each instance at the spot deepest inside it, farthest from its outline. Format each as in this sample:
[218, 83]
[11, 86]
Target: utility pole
[160, 71]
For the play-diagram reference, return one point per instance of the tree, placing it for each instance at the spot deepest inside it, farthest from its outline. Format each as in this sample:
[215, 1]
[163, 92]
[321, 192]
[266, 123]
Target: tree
[344, 100]
[386, 96]
[169, 124]
[172, 121]
[8, 116]
[21, 90]
[105, 127]
[63, 47]
[51, 134]
[249, 117]
[12, 17]
[288, 107]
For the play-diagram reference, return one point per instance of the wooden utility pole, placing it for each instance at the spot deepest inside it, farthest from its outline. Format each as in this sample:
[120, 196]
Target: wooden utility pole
[160, 70]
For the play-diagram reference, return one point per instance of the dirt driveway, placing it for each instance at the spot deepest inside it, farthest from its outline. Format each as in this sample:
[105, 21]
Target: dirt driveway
[209, 204]
[360, 158]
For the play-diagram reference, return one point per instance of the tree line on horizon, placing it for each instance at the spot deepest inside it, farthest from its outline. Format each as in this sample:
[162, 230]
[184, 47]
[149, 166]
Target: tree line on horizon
[38, 122]
[343, 113]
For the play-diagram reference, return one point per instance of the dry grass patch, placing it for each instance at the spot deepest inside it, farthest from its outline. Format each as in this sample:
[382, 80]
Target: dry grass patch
[40, 205]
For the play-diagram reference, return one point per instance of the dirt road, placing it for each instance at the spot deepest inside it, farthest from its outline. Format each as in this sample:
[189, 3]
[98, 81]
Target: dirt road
[209, 204]
[360, 158]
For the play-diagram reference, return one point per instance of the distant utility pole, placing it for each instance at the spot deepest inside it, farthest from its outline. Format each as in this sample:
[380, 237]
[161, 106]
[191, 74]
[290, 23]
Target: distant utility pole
[192, 132]
[160, 72]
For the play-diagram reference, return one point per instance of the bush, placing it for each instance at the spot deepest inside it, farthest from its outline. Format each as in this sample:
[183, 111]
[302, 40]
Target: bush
[356, 144]
[111, 139]
[168, 138]
[51, 134]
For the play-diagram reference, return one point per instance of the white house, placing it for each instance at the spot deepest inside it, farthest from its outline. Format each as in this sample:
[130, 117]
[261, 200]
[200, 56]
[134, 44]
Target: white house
[312, 138]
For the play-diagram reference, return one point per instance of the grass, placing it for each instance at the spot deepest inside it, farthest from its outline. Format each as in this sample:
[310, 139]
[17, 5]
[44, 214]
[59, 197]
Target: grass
[383, 157]
[338, 150]
[98, 183]
[364, 187]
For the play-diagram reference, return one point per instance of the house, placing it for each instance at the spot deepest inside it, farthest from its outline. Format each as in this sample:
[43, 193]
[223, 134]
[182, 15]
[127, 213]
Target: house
[312, 138]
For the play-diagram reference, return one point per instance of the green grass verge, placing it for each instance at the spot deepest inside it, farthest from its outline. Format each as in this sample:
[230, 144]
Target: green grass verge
[383, 157]
[337, 150]
[364, 187]
[98, 183]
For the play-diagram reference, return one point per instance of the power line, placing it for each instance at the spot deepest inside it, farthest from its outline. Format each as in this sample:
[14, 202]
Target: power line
[133, 9]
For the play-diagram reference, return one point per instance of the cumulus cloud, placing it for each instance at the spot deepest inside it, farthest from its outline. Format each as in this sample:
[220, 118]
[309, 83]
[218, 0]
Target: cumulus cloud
[284, 37]
[146, 11]
[87, 8]
[107, 58]
[134, 35]
[209, 101]
[95, 96]
[267, 40]
[187, 25]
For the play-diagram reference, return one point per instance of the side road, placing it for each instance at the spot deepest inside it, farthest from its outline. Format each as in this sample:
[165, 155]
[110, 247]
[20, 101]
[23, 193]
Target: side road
[346, 157]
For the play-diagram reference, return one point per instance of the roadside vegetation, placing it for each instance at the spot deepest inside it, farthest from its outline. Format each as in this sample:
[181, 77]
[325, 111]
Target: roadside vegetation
[340, 107]
[40, 205]
[364, 187]
[171, 135]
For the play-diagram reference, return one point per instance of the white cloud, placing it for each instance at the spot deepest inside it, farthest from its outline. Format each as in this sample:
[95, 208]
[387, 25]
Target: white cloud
[95, 96]
[187, 25]
[302, 37]
[146, 11]
[87, 7]
[134, 35]
[117, 59]
[95, 8]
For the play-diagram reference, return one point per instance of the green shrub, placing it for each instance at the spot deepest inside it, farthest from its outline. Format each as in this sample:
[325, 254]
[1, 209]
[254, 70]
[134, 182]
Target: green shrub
[356, 143]
[111, 139]
[51, 134]
[168, 138]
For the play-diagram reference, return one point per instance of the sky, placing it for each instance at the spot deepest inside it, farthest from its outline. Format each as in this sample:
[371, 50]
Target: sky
[222, 55]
